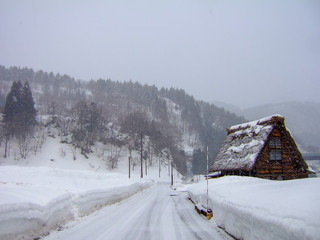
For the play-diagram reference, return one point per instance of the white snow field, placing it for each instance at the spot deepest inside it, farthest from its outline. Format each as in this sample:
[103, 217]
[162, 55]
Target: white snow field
[34, 200]
[256, 209]
[157, 213]
[49, 188]
[50, 193]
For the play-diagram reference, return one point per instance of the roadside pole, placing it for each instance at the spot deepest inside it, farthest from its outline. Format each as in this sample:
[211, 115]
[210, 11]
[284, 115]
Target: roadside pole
[129, 166]
[171, 173]
[209, 211]
[146, 163]
[141, 176]
[159, 167]
[207, 182]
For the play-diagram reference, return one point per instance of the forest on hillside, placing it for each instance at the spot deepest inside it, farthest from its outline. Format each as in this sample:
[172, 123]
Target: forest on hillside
[87, 112]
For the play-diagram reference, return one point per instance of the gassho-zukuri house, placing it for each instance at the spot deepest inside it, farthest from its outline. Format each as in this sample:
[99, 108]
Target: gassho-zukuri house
[262, 148]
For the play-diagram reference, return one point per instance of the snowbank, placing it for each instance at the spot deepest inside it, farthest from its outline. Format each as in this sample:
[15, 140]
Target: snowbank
[252, 208]
[34, 200]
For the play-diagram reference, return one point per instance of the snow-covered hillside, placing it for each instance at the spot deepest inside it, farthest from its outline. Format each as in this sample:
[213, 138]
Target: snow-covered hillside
[88, 112]
[257, 209]
[49, 187]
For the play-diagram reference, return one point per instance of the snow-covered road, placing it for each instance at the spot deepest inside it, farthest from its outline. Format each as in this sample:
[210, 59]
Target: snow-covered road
[156, 213]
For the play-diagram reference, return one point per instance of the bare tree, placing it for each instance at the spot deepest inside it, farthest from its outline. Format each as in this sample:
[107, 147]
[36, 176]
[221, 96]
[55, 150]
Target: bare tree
[74, 151]
[39, 139]
[25, 145]
[85, 132]
[65, 126]
[6, 145]
[113, 155]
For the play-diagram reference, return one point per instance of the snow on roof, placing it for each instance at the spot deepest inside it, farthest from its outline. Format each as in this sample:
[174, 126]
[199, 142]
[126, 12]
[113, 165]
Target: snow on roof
[243, 144]
[261, 121]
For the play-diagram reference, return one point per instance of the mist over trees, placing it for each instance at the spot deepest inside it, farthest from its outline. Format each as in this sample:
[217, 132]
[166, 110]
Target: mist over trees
[115, 114]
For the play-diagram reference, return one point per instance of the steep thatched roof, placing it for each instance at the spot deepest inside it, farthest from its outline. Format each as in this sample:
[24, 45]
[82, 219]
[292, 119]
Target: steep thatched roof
[243, 144]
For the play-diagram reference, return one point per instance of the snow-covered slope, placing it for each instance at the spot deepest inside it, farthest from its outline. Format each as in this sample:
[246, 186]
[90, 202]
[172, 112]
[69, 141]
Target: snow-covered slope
[49, 187]
[256, 209]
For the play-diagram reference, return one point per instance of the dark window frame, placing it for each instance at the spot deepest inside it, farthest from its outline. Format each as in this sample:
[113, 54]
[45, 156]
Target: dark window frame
[275, 145]
[275, 142]
[275, 154]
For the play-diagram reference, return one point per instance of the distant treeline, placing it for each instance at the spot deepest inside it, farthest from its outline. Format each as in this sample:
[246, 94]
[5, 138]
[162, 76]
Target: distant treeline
[167, 116]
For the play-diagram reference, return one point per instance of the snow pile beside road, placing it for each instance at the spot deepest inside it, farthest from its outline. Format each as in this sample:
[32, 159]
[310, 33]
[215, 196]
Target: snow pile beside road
[34, 200]
[252, 208]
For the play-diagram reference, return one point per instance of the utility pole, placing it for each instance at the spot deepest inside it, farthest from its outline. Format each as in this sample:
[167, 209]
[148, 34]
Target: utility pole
[207, 181]
[141, 176]
[159, 167]
[146, 162]
[171, 173]
[129, 163]
[150, 154]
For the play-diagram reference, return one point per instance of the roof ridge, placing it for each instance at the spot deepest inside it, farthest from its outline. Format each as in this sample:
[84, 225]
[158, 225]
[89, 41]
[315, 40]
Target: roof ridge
[263, 121]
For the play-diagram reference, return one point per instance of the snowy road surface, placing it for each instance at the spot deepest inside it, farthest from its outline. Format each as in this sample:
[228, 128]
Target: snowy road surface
[156, 213]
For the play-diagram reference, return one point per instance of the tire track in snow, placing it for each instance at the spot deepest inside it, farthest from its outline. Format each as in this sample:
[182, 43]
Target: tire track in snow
[153, 214]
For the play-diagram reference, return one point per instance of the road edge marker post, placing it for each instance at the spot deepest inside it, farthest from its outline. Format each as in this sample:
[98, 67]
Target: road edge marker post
[209, 211]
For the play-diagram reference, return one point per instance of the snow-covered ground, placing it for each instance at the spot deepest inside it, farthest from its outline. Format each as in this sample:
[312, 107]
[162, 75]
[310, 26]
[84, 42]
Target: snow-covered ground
[253, 209]
[314, 165]
[34, 200]
[159, 213]
[47, 189]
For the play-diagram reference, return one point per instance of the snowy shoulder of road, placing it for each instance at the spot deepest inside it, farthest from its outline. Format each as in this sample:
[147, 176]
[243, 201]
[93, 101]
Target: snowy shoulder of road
[252, 208]
[34, 200]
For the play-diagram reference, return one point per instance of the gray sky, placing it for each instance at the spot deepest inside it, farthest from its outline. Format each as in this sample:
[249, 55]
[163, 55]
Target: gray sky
[241, 52]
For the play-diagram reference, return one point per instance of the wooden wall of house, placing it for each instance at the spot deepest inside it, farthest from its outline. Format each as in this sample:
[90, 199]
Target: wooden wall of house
[292, 164]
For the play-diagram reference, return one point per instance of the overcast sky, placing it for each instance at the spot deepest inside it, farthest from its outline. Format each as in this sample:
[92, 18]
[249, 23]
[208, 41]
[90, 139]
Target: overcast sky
[240, 52]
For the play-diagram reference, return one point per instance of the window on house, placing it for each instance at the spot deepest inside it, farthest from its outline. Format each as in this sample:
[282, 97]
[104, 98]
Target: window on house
[275, 154]
[275, 143]
[275, 149]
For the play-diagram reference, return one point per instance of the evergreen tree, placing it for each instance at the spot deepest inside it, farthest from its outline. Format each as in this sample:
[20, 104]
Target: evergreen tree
[2, 101]
[19, 112]
[13, 106]
[29, 112]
